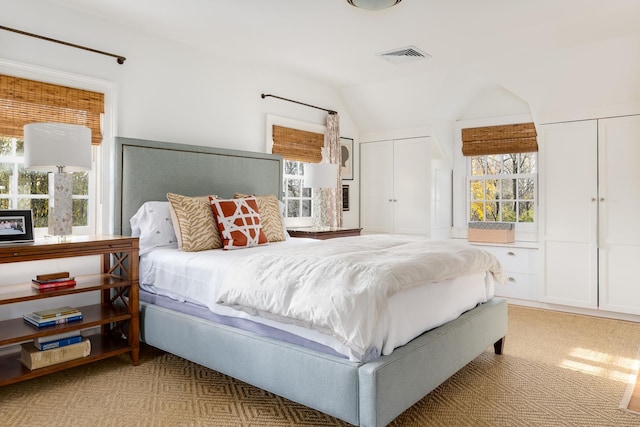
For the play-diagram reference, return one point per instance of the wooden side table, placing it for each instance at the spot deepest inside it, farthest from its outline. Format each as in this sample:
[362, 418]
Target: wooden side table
[323, 234]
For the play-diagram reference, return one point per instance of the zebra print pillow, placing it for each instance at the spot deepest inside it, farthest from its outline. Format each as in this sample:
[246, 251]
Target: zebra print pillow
[193, 222]
[270, 216]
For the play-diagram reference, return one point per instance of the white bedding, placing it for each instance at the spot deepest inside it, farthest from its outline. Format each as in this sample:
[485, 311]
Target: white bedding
[198, 277]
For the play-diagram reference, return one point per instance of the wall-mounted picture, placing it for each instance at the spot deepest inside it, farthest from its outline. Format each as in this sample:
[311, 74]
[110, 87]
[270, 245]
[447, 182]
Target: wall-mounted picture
[346, 152]
[16, 226]
[345, 197]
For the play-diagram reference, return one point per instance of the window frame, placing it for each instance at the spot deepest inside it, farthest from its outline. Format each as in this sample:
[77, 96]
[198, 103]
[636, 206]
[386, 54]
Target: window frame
[101, 173]
[519, 226]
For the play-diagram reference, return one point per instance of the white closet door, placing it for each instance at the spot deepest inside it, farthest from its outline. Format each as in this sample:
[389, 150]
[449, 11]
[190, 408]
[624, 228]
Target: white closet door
[619, 196]
[412, 169]
[376, 175]
[569, 213]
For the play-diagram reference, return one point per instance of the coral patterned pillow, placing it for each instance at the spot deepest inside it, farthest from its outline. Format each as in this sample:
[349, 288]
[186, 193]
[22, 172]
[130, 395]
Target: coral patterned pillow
[238, 222]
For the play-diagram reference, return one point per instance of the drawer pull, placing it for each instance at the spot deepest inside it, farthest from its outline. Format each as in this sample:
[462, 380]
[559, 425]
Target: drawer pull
[511, 279]
[510, 253]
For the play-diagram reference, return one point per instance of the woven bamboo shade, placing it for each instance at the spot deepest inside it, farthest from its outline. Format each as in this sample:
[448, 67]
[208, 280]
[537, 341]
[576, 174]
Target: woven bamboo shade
[25, 101]
[296, 144]
[519, 138]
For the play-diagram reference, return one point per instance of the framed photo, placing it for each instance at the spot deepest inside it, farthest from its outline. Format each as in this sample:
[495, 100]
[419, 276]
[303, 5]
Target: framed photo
[346, 153]
[16, 226]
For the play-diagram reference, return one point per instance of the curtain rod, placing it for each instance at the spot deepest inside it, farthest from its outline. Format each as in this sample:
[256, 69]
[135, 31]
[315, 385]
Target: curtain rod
[298, 102]
[119, 58]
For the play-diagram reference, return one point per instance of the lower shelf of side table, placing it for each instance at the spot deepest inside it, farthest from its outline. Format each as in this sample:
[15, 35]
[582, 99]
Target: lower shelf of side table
[102, 346]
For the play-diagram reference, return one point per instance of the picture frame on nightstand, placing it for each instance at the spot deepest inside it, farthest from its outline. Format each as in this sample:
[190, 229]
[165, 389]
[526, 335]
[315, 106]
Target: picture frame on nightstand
[16, 226]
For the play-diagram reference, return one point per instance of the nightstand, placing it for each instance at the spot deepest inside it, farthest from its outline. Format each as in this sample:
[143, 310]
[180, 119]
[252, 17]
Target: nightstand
[323, 234]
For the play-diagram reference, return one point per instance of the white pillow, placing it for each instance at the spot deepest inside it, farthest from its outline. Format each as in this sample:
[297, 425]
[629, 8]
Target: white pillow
[153, 226]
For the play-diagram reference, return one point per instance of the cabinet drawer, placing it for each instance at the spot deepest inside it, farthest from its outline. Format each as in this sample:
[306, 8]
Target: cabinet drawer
[517, 260]
[518, 285]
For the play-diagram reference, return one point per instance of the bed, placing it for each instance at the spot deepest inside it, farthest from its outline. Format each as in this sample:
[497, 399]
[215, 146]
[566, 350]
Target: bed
[365, 391]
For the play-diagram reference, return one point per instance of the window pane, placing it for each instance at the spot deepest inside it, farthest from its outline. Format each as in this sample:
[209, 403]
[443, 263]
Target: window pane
[509, 212]
[80, 212]
[32, 182]
[293, 208]
[306, 209]
[526, 211]
[477, 211]
[492, 212]
[290, 168]
[527, 163]
[293, 187]
[5, 146]
[525, 189]
[20, 148]
[494, 163]
[508, 189]
[478, 165]
[306, 192]
[5, 177]
[491, 189]
[4, 203]
[510, 163]
[40, 209]
[80, 183]
[477, 190]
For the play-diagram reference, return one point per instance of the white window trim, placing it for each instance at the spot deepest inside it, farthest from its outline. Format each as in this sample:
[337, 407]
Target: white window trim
[100, 215]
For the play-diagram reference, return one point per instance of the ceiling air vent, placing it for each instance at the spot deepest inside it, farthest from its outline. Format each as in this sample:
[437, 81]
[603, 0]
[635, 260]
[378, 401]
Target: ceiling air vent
[405, 54]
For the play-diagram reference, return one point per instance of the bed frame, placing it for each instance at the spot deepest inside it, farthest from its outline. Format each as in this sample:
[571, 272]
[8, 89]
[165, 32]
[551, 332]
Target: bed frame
[368, 394]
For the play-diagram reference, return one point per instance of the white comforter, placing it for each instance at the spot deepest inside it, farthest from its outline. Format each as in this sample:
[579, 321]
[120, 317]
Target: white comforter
[342, 286]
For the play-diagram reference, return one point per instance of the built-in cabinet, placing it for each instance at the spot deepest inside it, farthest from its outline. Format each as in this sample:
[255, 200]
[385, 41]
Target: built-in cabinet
[405, 188]
[520, 264]
[589, 230]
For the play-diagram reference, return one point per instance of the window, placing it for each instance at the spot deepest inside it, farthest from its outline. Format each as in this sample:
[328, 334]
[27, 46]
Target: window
[296, 197]
[24, 101]
[503, 187]
[22, 189]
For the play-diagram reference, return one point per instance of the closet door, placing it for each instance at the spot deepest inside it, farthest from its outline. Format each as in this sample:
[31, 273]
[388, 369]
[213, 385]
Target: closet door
[619, 200]
[376, 188]
[568, 181]
[411, 165]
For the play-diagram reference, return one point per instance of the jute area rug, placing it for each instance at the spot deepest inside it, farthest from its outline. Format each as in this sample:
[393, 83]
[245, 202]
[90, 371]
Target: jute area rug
[558, 370]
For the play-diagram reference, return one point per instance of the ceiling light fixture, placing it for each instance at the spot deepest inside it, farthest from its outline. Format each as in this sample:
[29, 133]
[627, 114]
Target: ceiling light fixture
[373, 4]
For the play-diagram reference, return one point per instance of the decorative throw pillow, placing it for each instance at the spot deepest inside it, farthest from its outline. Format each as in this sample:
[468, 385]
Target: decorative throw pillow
[193, 222]
[238, 222]
[270, 216]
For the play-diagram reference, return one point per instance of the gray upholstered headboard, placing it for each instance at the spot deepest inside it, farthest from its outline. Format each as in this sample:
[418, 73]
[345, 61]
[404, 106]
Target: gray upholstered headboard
[147, 170]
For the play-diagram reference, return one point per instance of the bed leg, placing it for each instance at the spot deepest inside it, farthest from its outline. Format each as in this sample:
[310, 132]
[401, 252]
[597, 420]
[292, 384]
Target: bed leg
[497, 346]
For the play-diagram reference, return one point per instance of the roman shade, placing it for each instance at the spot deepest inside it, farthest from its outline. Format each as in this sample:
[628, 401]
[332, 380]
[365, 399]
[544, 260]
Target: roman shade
[518, 138]
[295, 144]
[24, 101]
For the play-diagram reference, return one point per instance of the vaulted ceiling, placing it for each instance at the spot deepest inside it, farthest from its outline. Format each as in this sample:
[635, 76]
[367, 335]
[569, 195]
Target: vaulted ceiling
[556, 55]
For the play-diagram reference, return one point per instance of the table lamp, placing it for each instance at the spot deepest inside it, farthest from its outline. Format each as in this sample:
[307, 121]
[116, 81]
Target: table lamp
[318, 176]
[58, 148]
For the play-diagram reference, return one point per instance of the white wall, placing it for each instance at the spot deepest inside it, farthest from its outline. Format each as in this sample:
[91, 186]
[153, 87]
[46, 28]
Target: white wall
[164, 91]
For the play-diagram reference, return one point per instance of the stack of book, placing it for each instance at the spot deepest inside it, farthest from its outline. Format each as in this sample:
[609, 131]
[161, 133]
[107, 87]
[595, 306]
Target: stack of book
[58, 340]
[33, 358]
[55, 316]
[53, 281]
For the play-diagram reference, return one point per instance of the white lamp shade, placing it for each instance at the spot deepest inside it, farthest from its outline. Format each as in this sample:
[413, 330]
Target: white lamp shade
[49, 146]
[320, 175]
[373, 4]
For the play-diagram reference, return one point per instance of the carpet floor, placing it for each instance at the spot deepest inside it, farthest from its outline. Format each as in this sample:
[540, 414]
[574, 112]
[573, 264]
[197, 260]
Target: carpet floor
[558, 370]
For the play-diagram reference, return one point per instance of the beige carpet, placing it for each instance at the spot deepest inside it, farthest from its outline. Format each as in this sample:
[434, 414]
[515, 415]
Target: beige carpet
[558, 370]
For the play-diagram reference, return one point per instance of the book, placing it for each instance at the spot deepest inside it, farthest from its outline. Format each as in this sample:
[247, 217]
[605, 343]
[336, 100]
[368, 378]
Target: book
[52, 281]
[54, 312]
[53, 286]
[74, 317]
[33, 358]
[57, 343]
[59, 336]
[52, 276]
